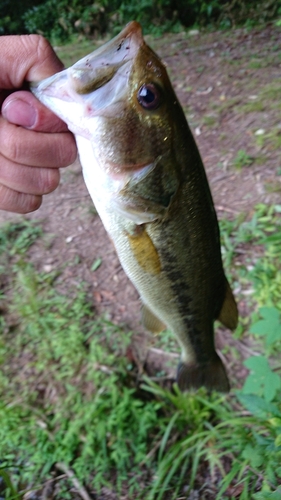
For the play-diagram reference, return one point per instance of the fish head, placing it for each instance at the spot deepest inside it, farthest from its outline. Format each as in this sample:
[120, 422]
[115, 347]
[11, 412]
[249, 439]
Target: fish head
[119, 98]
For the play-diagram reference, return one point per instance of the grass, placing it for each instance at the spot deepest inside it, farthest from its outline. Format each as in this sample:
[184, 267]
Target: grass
[271, 139]
[242, 159]
[70, 399]
[260, 269]
[268, 99]
[210, 120]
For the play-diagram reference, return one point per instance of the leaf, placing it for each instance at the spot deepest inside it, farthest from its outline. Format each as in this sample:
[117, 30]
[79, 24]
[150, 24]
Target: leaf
[277, 442]
[270, 312]
[252, 454]
[8, 482]
[270, 325]
[268, 495]
[275, 422]
[272, 384]
[257, 363]
[275, 495]
[96, 264]
[258, 406]
[278, 471]
[262, 380]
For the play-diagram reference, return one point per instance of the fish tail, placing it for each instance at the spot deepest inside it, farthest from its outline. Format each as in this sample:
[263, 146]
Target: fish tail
[211, 375]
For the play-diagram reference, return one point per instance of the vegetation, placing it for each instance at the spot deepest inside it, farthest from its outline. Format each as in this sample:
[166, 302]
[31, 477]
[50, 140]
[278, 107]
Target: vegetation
[59, 20]
[71, 402]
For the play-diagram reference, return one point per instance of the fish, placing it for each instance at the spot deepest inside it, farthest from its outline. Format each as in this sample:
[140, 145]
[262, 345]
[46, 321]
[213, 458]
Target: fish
[145, 175]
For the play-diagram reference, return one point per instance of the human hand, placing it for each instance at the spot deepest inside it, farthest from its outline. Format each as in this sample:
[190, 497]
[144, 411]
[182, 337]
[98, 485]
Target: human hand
[34, 143]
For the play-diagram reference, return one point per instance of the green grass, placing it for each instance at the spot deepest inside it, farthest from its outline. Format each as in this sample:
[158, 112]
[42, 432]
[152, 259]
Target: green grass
[210, 120]
[271, 139]
[242, 159]
[269, 98]
[70, 396]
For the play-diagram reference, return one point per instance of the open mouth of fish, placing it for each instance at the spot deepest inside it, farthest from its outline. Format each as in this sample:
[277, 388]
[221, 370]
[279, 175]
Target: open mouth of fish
[97, 82]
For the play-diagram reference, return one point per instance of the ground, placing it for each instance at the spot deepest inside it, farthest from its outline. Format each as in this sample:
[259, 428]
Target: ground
[227, 83]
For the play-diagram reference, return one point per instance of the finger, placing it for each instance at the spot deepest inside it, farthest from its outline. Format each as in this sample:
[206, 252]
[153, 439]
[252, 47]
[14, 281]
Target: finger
[28, 180]
[13, 201]
[27, 58]
[37, 149]
[22, 108]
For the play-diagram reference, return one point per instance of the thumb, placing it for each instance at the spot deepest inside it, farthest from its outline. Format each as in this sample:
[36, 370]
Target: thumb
[22, 108]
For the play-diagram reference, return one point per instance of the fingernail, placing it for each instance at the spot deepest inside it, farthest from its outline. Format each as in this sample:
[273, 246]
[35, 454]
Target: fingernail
[20, 113]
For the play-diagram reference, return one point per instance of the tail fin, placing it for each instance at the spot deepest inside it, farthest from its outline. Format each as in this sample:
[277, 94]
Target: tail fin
[212, 375]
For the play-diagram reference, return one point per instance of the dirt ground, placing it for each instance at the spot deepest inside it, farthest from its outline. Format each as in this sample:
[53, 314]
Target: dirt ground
[223, 81]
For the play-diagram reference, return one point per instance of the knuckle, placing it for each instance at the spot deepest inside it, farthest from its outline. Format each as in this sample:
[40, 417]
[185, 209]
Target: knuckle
[42, 45]
[44, 49]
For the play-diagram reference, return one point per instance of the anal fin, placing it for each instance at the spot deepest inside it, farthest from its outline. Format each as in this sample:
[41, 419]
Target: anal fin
[150, 321]
[228, 315]
[211, 375]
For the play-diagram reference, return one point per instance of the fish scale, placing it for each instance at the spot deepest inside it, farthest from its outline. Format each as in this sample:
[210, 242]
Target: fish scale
[145, 175]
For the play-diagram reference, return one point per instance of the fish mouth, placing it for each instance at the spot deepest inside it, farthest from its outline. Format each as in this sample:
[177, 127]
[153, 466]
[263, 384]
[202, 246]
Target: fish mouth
[95, 70]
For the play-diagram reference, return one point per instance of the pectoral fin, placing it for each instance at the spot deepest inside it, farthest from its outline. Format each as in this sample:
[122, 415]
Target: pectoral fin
[228, 315]
[150, 321]
[144, 251]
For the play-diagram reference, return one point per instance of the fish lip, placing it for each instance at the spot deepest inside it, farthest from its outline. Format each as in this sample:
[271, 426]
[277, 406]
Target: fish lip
[48, 85]
[98, 68]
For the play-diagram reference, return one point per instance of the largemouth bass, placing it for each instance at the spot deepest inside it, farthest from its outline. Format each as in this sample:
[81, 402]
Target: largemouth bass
[147, 180]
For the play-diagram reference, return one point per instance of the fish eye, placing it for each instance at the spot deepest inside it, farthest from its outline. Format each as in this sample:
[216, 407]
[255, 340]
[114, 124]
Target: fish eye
[149, 96]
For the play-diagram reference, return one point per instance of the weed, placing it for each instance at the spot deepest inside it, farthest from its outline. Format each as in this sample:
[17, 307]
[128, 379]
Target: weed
[255, 64]
[96, 264]
[64, 349]
[69, 393]
[271, 139]
[261, 229]
[255, 106]
[226, 105]
[262, 388]
[268, 98]
[242, 159]
[17, 237]
[261, 396]
[210, 120]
